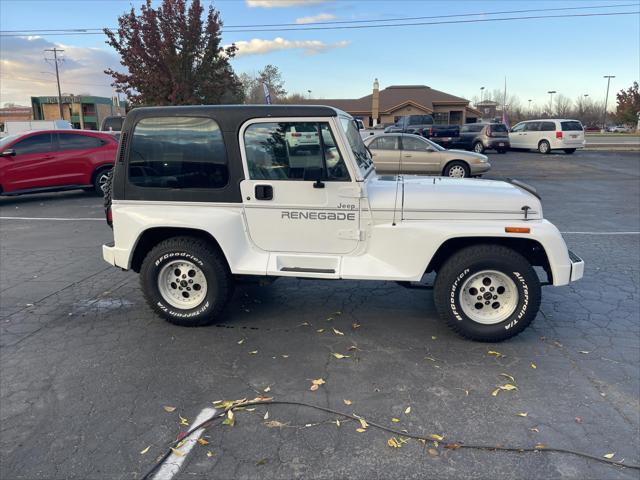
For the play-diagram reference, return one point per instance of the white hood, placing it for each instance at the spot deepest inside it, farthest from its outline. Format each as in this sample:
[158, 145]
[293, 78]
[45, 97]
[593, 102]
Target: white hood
[430, 198]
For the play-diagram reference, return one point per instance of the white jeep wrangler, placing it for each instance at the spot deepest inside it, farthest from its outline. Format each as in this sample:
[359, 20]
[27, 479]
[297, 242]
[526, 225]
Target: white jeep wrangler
[203, 195]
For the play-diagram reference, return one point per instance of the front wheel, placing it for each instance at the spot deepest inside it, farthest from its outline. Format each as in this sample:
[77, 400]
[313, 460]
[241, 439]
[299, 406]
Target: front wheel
[487, 293]
[186, 281]
[569, 151]
[457, 169]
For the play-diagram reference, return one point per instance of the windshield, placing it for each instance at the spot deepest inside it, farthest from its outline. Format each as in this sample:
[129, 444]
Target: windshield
[7, 140]
[360, 151]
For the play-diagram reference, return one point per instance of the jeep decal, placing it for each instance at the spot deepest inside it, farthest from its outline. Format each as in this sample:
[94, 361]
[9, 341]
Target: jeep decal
[311, 215]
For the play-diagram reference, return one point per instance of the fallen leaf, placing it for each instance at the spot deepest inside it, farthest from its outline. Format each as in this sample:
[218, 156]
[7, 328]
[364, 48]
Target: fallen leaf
[360, 430]
[318, 381]
[353, 347]
[584, 351]
[304, 324]
[177, 452]
[347, 402]
[274, 424]
[320, 330]
[145, 450]
[337, 332]
[430, 358]
[433, 452]
[535, 429]
[435, 436]
[284, 356]
[506, 375]
[268, 389]
[266, 415]
[169, 409]
[329, 319]
[609, 455]
[363, 423]
[407, 410]
[495, 354]
[508, 387]
[337, 423]
[495, 392]
[355, 325]
[392, 442]
[540, 446]
[262, 461]
[181, 443]
[522, 414]
[230, 419]
[340, 356]
[241, 341]
[203, 441]
[433, 338]
[578, 419]
[209, 454]
[253, 352]
[183, 421]
[534, 366]
[313, 387]
[558, 344]
[395, 420]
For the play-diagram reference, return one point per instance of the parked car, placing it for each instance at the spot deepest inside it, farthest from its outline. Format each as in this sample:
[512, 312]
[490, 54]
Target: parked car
[422, 125]
[619, 129]
[406, 153]
[591, 128]
[302, 136]
[196, 209]
[16, 127]
[479, 137]
[547, 135]
[112, 123]
[55, 160]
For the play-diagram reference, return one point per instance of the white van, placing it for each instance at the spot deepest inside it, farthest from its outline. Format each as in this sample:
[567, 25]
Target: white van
[548, 134]
[12, 128]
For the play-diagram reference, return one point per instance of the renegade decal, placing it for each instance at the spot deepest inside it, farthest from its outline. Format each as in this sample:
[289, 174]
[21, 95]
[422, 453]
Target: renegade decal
[311, 215]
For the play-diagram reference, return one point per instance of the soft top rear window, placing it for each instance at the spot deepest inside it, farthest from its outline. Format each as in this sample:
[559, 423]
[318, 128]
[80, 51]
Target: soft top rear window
[571, 126]
[499, 127]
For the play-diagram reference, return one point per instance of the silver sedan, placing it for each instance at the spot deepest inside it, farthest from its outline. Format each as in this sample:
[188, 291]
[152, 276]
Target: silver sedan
[413, 154]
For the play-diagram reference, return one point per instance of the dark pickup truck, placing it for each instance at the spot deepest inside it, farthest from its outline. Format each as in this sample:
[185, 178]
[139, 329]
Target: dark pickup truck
[477, 137]
[422, 125]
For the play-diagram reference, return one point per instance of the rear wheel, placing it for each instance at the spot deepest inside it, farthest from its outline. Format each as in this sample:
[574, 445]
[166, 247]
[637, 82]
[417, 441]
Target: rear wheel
[569, 151]
[478, 147]
[487, 293]
[186, 281]
[457, 169]
[100, 180]
[544, 147]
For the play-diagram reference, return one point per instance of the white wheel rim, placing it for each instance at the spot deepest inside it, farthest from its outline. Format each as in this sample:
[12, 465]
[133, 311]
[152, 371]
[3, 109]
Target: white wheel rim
[488, 297]
[102, 180]
[182, 284]
[456, 171]
[543, 147]
[478, 148]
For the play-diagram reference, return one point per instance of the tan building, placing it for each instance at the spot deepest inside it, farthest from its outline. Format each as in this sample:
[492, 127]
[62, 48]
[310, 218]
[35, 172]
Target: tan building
[14, 114]
[85, 112]
[388, 105]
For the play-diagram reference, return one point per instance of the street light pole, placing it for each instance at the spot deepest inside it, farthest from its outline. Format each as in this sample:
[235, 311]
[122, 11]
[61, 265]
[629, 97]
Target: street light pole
[529, 107]
[481, 93]
[606, 98]
[309, 92]
[55, 60]
[551, 92]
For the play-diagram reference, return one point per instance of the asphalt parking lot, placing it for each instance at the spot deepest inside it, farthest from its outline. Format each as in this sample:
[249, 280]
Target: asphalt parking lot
[86, 368]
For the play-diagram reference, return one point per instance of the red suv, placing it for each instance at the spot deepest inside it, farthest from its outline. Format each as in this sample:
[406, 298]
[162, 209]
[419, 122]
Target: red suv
[49, 160]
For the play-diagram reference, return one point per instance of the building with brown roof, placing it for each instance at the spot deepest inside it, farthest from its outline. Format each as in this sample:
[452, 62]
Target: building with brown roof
[14, 113]
[388, 105]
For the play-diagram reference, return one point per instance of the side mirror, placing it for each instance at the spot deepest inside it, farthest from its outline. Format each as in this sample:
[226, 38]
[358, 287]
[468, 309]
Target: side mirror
[9, 153]
[314, 174]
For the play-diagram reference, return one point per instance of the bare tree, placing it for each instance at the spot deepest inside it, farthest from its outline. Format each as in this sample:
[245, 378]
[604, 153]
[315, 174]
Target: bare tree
[562, 106]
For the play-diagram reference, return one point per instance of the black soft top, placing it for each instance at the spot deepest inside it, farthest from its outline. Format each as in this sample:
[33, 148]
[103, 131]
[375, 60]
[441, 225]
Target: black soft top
[230, 117]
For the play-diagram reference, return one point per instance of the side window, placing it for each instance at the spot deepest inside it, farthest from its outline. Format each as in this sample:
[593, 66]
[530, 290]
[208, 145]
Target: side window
[72, 141]
[548, 126]
[519, 127]
[465, 129]
[178, 152]
[375, 144]
[388, 142]
[413, 144]
[532, 126]
[284, 151]
[34, 144]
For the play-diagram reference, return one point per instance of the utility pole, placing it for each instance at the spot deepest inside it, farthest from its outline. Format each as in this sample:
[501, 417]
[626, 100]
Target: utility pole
[55, 60]
[551, 92]
[529, 107]
[481, 93]
[606, 99]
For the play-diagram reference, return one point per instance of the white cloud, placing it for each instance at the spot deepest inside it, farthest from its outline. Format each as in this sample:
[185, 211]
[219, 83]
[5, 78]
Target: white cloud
[24, 72]
[321, 17]
[257, 46]
[282, 3]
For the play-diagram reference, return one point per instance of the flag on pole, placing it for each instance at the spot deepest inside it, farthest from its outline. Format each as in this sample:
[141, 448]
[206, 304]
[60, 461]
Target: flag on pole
[267, 95]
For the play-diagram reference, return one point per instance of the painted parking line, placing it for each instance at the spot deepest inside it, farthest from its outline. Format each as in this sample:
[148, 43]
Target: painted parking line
[171, 466]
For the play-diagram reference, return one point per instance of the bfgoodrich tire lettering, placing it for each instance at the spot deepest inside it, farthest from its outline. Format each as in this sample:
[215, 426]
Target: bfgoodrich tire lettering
[207, 260]
[468, 262]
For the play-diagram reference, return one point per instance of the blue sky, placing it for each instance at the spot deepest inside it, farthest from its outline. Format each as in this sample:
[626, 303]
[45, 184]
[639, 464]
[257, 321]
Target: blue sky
[569, 55]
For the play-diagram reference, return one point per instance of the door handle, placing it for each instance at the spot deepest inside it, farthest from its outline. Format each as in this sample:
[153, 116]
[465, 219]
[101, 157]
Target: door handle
[406, 155]
[264, 192]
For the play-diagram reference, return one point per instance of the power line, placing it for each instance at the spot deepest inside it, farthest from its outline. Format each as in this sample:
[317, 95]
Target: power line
[354, 24]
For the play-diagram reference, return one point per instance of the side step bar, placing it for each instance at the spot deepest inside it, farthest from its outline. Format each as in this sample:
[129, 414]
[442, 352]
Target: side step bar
[307, 270]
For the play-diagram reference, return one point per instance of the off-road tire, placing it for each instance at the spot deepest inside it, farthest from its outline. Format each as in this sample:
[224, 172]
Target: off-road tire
[544, 147]
[108, 188]
[569, 151]
[470, 260]
[455, 163]
[214, 268]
